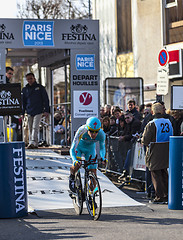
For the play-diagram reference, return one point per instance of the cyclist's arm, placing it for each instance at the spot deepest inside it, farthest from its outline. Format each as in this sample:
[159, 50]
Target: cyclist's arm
[102, 144]
[76, 141]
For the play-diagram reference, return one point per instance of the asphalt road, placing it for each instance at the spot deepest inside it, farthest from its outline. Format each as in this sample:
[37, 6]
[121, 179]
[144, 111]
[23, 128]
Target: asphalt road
[145, 222]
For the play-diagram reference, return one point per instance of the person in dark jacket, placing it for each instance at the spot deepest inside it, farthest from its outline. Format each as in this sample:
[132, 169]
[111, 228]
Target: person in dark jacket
[113, 127]
[35, 103]
[132, 109]
[122, 125]
[168, 116]
[9, 74]
[156, 137]
[133, 126]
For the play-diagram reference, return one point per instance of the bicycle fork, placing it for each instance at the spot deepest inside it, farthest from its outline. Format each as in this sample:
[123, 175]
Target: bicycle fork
[88, 184]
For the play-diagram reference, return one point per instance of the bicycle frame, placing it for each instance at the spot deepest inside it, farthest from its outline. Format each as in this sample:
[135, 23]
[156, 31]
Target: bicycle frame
[88, 193]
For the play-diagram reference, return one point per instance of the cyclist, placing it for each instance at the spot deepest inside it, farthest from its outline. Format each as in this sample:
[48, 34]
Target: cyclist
[84, 144]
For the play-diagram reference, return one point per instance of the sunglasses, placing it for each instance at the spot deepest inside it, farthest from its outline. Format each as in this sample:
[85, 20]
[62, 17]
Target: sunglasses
[94, 131]
[127, 117]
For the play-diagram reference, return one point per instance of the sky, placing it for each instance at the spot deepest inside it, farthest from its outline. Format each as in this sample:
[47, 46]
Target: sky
[8, 8]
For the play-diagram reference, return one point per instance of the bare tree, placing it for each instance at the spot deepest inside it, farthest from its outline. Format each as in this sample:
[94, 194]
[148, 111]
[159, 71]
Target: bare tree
[53, 9]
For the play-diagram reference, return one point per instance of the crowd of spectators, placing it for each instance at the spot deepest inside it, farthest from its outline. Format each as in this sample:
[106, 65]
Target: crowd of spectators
[60, 126]
[126, 126]
[116, 122]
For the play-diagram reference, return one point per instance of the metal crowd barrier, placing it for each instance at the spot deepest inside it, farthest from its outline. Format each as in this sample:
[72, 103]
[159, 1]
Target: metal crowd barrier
[43, 128]
[116, 153]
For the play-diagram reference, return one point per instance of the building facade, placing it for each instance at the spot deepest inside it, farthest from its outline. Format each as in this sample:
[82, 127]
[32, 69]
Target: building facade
[139, 29]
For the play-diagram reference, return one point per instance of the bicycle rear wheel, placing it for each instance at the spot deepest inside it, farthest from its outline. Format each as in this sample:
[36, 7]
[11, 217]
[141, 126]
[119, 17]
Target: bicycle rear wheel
[77, 198]
[93, 196]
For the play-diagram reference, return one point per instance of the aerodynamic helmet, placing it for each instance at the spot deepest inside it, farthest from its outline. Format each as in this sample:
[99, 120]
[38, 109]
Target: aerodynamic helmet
[93, 124]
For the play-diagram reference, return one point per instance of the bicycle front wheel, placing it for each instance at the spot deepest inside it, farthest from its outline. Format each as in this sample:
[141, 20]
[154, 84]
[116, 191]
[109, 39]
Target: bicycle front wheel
[77, 198]
[93, 196]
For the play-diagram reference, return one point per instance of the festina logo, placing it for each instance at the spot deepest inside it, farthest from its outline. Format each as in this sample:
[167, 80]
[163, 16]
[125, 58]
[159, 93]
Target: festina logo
[19, 179]
[5, 35]
[5, 99]
[78, 32]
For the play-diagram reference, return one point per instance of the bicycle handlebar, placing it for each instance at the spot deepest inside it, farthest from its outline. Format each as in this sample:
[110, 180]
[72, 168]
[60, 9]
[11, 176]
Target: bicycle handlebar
[86, 163]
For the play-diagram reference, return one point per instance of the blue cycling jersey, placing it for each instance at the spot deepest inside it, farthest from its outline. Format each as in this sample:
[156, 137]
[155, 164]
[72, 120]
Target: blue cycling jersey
[84, 144]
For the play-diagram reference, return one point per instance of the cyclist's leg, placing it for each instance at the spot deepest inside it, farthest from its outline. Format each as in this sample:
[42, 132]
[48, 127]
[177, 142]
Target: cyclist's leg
[76, 164]
[92, 167]
[73, 169]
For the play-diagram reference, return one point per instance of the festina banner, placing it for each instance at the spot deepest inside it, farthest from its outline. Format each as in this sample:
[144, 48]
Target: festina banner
[57, 33]
[13, 184]
[10, 99]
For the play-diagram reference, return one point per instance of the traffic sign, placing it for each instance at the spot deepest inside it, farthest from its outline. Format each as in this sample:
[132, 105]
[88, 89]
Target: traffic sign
[162, 81]
[163, 57]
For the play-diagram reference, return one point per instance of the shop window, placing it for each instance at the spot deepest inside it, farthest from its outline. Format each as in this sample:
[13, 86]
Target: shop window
[174, 21]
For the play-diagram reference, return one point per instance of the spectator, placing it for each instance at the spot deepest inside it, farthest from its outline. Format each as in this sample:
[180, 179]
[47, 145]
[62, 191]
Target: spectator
[133, 126]
[63, 141]
[158, 131]
[122, 125]
[141, 111]
[102, 112]
[9, 74]
[117, 114]
[107, 110]
[66, 117]
[113, 107]
[137, 107]
[57, 118]
[148, 105]
[59, 129]
[171, 118]
[132, 109]
[147, 118]
[106, 124]
[178, 119]
[113, 127]
[35, 104]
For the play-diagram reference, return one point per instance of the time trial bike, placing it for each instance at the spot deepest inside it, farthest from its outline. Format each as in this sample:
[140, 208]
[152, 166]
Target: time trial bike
[89, 191]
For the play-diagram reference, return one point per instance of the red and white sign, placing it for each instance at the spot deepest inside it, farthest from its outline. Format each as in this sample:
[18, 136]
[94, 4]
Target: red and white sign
[85, 104]
[175, 63]
[174, 56]
[85, 98]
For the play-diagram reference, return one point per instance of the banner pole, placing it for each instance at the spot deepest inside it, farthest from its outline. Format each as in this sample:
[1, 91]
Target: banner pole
[5, 128]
